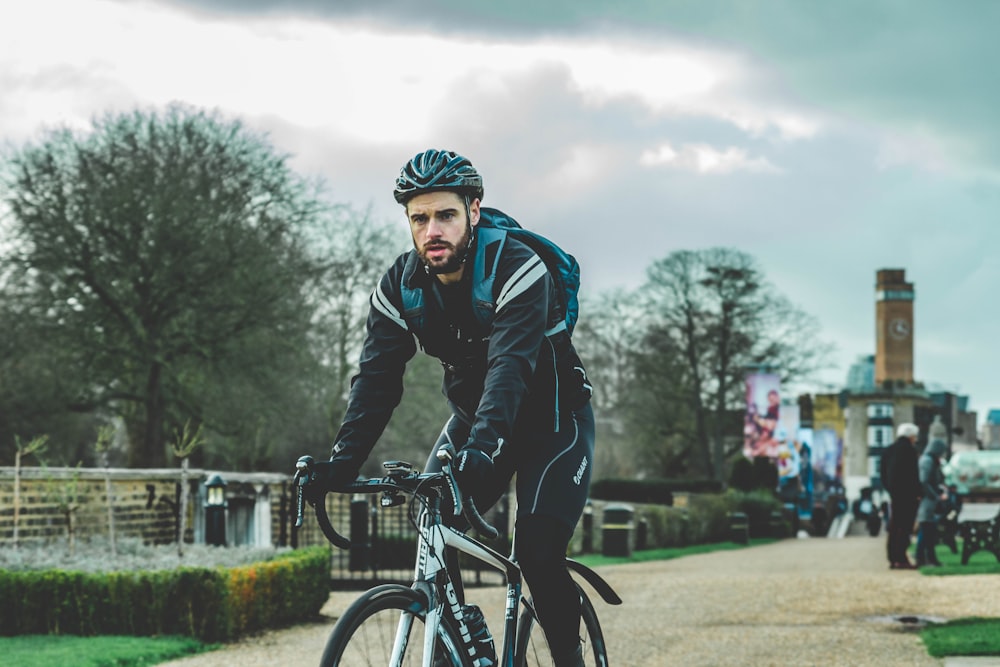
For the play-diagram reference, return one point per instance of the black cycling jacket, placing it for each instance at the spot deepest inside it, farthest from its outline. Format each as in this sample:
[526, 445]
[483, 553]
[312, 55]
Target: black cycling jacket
[498, 377]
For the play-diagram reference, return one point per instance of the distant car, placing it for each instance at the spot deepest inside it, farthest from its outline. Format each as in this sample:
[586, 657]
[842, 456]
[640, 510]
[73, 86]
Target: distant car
[973, 472]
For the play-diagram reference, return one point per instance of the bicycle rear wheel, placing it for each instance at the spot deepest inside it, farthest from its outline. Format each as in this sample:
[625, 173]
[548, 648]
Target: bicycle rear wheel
[365, 634]
[532, 650]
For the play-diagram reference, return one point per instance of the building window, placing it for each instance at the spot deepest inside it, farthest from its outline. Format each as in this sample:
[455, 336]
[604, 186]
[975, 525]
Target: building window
[880, 411]
[874, 467]
[879, 436]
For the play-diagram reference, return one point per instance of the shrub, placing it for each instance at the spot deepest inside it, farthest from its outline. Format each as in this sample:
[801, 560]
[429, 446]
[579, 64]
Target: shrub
[758, 505]
[741, 475]
[666, 526]
[212, 604]
[708, 518]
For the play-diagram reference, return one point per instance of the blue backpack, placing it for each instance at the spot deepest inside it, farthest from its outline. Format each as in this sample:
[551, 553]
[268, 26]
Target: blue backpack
[495, 226]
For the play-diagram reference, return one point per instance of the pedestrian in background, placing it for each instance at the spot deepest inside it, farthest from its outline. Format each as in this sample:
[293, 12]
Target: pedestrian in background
[935, 495]
[901, 479]
[789, 468]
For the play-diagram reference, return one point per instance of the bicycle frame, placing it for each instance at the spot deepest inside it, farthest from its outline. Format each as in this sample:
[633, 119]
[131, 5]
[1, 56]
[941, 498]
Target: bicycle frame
[432, 579]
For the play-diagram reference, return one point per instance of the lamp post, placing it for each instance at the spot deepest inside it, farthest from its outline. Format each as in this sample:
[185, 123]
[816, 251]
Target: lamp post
[215, 511]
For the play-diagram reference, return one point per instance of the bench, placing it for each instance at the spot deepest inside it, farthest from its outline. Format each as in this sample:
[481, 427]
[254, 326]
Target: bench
[980, 536]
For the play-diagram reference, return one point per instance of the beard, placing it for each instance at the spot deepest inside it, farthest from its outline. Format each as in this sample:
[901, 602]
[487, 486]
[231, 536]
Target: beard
[450, 261]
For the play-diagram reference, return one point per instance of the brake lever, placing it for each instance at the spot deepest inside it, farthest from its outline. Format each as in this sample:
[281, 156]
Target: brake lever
[464, 506]
[303, 470]
[446, 454]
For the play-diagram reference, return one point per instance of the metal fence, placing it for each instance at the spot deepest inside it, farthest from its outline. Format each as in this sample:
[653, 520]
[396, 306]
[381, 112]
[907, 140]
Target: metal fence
[383, 543]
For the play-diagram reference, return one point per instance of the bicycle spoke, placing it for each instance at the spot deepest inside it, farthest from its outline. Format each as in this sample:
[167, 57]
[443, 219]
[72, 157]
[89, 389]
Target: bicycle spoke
[533, 650]
[366, 633]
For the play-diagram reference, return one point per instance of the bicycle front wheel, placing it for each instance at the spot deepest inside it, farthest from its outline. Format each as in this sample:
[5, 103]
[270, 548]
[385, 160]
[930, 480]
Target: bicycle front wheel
[385, 618]
[533, 651]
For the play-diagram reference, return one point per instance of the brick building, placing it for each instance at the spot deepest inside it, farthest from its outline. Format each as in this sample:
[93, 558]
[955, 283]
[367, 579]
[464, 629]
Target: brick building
[882, 391]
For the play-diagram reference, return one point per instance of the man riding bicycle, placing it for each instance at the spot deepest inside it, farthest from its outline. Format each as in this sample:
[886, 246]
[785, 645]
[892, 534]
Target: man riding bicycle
[517, 389]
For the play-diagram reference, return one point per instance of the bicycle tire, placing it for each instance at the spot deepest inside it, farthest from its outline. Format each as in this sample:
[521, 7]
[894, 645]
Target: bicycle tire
[364, 634]
[533, 651]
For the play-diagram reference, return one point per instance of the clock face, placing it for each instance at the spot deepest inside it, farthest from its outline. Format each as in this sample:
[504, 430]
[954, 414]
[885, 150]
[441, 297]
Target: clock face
[899, 329]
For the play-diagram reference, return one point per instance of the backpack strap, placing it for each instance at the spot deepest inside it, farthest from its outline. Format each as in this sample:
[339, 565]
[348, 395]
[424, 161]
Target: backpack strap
[490, 242]
[413, 298]
[489, 245]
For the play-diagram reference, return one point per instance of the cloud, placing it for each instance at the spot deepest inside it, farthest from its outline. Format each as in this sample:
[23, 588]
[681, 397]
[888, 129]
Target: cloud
[606, 125]
[384, 84]
[915, 149]
[705, 159]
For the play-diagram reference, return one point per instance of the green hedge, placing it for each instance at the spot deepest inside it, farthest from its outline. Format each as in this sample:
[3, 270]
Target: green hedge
[706, 518]
[212, 604]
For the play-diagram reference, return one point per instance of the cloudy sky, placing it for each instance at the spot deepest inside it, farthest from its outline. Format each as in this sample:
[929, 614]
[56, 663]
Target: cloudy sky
[828, 140]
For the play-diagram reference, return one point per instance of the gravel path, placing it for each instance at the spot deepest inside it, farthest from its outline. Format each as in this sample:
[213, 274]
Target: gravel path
[796, 602]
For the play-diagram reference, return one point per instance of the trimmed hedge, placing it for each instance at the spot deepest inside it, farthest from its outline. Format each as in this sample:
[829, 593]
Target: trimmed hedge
[706, 518]
[211, 604]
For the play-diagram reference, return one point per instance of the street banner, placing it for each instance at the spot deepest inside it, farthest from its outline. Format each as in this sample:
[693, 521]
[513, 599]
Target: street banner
[827, 459]
[763, 411]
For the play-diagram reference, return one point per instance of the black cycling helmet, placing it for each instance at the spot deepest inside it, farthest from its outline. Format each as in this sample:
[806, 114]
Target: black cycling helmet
[433, 171]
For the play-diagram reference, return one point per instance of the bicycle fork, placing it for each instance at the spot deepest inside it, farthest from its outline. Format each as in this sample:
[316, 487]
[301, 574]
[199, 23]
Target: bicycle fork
[431, 578]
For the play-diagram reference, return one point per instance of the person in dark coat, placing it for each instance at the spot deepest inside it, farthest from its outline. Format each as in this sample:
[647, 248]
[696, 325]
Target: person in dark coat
[935, 493]
[901, 479]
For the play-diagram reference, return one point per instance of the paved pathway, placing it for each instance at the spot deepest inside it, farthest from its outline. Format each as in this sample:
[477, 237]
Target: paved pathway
[810, 602]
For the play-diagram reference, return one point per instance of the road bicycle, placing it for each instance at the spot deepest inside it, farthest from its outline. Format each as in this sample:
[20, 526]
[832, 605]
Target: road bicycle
[383, 626]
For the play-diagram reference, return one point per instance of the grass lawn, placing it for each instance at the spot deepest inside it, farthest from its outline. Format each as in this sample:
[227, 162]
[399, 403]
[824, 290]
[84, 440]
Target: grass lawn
[666, 554]
[962, 637]
[966, 636]
[981, 562]
[72, 651]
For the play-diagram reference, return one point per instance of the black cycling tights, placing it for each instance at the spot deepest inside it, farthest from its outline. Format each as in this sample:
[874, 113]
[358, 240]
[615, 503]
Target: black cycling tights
[540, 546]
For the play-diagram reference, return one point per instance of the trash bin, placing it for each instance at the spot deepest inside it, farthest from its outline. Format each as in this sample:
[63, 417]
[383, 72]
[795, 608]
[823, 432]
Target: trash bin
[778, 527]
[739, 528]
[616, 530]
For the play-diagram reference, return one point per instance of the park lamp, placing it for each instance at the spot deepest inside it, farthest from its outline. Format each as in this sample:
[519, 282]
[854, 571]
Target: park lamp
[216, 487]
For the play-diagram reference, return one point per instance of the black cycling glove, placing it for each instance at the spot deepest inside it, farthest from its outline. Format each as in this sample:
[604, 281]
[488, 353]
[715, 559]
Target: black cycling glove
[338, 472]
[473, 468]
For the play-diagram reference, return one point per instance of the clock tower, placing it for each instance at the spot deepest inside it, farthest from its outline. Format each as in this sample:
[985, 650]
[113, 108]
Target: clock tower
[893, 327]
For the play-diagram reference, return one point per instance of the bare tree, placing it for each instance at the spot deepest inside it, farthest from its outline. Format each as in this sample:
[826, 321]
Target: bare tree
[715, 313]
[162, 252]
[609, 331]
[65, 494]
[355, 252]
[185, 442]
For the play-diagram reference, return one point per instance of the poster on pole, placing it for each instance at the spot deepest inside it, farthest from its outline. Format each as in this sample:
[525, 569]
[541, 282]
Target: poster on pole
[763, 398]
[827, 460]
